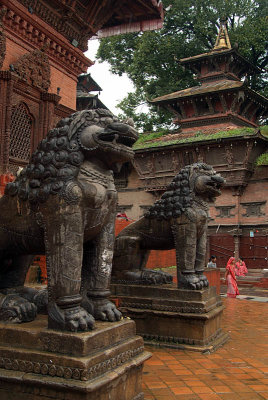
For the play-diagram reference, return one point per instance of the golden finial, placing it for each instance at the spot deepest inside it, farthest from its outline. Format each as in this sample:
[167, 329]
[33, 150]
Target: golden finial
[222, 41]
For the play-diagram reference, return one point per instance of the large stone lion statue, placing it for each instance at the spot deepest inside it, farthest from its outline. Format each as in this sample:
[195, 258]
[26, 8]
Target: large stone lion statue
[178, 220]
[63, 204]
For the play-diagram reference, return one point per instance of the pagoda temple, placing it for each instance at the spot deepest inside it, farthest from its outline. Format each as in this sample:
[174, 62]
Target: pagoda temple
[222, 100]
[218, 123]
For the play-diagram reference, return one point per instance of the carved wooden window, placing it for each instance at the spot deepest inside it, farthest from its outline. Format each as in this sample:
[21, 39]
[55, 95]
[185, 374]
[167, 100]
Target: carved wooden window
[253, 209]
[224, 211]
[20, 137]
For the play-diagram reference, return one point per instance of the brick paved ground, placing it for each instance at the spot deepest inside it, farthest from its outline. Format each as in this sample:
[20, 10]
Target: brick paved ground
[238, 370]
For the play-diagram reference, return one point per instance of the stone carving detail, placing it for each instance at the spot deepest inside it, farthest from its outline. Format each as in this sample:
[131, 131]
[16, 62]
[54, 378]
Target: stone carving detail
[63, 204]
[177, 340]
[2, 37]
[192, 308]
[34, 68]
[68, 372]
[177, 220]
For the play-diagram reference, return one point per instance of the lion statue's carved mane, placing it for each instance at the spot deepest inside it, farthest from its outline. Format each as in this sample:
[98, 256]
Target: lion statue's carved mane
[177, 220]
[63, 204]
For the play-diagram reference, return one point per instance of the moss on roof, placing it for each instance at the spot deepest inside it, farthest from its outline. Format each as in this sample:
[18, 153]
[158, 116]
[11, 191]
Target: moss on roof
[264, 130]
[262, 160]
[153, 140]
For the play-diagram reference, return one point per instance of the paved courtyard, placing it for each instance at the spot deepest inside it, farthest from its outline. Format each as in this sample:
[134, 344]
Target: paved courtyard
[238, 370]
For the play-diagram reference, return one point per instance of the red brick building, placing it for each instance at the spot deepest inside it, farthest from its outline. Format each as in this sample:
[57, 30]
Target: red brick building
[41, 55]
[218, 125]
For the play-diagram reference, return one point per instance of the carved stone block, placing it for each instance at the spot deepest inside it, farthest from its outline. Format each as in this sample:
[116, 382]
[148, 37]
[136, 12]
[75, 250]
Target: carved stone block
[174, 317]
[100, 365]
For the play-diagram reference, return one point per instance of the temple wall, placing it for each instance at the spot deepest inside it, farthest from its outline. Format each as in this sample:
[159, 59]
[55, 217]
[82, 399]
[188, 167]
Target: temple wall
[59, 77]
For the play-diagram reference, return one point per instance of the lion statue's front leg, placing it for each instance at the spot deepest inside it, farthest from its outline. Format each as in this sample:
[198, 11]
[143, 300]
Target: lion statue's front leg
[97, 268]
[190, 254]
[64, 237]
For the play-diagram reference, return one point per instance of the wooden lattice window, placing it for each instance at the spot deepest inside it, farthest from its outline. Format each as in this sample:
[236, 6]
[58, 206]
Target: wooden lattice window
[253, 209]
[224, 211]
[20, 137]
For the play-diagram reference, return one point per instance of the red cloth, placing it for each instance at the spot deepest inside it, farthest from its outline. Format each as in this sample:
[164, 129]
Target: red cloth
[241, 269]
[232, 288]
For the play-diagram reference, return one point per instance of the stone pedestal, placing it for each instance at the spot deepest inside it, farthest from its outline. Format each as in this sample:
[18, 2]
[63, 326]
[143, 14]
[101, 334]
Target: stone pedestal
[104, 364]
[172, 317]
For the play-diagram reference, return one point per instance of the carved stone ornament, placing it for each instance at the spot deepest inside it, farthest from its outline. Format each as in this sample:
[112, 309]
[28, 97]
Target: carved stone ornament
[2, 37]
[66, 202]
[34, 68]
[178, 220]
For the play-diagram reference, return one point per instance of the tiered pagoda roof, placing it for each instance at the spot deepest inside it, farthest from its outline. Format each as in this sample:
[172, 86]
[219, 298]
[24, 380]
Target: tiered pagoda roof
[221, 98]
[85, 99]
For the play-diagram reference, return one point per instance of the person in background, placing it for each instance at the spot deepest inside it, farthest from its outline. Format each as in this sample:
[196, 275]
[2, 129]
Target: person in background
[232, 288]
[241, 269]
[122, 215]
[212, 262]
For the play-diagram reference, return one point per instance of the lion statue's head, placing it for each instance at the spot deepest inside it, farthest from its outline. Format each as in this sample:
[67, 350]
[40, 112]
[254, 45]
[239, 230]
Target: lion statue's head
[196, 180]
[83, 135]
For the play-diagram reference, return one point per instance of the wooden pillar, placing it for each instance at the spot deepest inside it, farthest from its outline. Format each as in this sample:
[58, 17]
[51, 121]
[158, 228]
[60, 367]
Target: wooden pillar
[236, 246]
[236, 236]
[7, 83]
[47, 112]
[208, 249]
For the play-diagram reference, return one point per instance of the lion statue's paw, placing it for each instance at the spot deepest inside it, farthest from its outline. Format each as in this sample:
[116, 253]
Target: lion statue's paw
[203, 280]
[16, 309]
[156, 277]
[189, 281]
[78, 320]
[72, 319]
[105, 310]
[144, 277]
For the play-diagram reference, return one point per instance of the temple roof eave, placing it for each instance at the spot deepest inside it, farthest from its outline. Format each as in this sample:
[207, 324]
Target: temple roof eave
[162, 146]
[211, 54]
[198, 91]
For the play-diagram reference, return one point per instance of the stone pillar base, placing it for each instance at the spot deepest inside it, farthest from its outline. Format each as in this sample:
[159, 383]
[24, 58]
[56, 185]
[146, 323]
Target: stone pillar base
[171, 317]
[38, 363]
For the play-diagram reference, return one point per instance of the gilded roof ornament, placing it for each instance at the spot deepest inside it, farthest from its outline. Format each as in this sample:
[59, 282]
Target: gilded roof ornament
[222, 41]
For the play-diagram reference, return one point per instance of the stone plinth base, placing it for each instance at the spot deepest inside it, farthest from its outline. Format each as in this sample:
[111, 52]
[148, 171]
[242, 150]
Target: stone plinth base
[104, 364]
[172, 317]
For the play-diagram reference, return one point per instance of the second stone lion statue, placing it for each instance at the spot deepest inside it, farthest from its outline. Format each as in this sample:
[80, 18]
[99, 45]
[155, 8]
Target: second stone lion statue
[178, 220]
[63, 204]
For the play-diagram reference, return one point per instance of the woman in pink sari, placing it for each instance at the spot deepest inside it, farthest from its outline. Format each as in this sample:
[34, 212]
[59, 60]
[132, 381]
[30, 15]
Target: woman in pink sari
[241, 269]
[232, 289]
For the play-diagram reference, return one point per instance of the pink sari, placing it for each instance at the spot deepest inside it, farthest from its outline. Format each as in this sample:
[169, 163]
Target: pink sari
[232, 288]
[241, 269]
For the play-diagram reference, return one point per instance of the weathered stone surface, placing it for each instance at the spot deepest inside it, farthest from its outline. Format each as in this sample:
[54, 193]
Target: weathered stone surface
[168, 316]
[40, 363]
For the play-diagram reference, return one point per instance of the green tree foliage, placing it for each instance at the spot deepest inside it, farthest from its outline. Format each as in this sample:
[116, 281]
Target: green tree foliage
[190, 28]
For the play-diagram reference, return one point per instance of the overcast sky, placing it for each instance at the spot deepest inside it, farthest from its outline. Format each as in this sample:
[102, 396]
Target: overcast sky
[114, 87]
